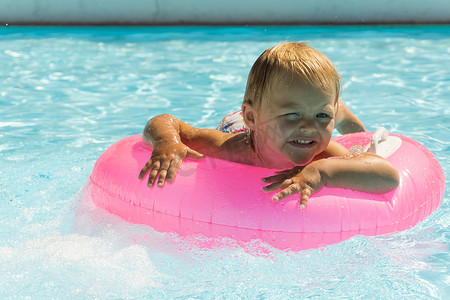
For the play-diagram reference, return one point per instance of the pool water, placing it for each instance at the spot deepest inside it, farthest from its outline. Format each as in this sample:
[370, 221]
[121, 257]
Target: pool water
[66, 94]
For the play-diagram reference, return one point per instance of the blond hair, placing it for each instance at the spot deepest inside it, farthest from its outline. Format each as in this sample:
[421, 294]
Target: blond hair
[291, 59]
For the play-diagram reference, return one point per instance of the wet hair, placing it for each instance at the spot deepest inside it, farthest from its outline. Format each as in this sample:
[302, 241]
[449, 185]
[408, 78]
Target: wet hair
[291, 60]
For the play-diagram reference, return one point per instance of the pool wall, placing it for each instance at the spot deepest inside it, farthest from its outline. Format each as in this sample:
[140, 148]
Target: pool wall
[219, 12]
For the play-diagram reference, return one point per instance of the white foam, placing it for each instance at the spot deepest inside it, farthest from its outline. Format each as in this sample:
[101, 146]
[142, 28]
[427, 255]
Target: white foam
[95, 266]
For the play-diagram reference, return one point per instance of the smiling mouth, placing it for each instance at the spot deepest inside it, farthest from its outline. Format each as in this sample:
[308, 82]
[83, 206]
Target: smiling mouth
[302, 143]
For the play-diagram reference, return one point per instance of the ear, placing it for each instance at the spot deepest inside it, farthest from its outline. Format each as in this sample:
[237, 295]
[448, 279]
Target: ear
[337, 105]
[249, 115]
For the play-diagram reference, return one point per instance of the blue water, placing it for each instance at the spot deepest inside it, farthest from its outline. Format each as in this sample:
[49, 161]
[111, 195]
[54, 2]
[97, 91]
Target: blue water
[66, 94]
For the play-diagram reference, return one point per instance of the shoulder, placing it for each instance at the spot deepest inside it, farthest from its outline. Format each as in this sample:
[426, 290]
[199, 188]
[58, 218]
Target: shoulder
[236, 148]
[227, 146]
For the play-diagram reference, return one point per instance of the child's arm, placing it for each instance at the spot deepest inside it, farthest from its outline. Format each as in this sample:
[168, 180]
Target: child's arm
[346, 121]
[173, 141]
[367, 173]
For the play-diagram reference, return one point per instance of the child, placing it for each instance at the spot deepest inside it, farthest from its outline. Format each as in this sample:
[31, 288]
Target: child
[289, 109]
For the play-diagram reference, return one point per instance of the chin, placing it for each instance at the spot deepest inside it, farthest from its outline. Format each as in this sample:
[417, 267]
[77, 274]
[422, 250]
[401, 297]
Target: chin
[301, 158]
[302, 161]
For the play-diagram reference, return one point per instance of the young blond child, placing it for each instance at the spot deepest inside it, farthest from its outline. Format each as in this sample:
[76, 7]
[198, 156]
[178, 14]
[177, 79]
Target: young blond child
[289, 109]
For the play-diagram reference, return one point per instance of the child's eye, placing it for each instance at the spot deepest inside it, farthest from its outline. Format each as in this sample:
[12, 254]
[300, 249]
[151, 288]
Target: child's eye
[322, 115]
[292, 116]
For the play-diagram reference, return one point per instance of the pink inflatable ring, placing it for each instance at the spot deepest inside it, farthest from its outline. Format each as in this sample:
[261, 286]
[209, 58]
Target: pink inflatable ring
[218, 198]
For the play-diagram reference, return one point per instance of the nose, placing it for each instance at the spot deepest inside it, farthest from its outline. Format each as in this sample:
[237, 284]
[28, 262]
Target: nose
[307, 126]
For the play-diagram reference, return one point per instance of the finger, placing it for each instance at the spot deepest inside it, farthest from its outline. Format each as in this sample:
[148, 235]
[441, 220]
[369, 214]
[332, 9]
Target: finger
[153, 173]
[304, 197]
[145, 169]
[173, 169]
[192, 154]
[290, 190]
[294, 170]
[163, 172]
[283, 171]
[278, 185]
[273, 178]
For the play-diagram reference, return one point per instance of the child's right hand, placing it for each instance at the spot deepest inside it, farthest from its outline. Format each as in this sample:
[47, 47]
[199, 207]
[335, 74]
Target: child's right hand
[166, 159]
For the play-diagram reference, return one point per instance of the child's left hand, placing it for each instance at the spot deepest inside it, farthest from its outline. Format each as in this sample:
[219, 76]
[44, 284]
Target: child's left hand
[302, 180]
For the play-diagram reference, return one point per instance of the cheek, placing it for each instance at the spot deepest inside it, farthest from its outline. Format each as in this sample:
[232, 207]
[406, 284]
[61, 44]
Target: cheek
[328, 128]
[326, 132]
[286, 127]
[273, 131]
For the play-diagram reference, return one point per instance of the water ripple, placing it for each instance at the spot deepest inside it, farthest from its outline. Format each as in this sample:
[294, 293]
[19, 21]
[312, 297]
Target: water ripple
[66, 94]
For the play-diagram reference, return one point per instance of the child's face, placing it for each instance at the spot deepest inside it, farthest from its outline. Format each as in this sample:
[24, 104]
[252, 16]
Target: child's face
[295, 124]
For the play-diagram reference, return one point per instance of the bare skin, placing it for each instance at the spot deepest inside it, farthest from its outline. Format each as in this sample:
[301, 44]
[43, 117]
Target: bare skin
[346, 121]
[292, 131]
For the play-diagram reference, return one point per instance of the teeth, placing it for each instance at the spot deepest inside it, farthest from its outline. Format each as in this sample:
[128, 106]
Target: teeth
[303, 142]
